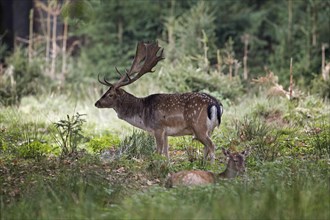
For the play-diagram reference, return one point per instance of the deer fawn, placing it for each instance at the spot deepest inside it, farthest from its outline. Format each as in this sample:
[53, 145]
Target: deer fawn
[162, 115]
[235, 166]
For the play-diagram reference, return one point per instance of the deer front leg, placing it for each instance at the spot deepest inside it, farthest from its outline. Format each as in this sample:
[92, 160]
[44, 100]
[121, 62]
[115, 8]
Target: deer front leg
[165, 147]
[161, 142]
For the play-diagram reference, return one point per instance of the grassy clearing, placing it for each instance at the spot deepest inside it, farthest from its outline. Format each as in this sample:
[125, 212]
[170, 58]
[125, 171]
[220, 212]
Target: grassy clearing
[117, 175]
[289, 189]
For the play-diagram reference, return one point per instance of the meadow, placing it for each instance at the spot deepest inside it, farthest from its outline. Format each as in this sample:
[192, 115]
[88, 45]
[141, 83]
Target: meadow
[108, 169]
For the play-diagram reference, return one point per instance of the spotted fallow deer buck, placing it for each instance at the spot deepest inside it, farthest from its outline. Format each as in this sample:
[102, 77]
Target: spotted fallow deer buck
[162, 115]
[235, 167]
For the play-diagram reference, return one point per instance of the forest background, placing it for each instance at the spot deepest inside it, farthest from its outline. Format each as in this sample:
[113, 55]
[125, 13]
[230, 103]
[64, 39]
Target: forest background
[249, 38]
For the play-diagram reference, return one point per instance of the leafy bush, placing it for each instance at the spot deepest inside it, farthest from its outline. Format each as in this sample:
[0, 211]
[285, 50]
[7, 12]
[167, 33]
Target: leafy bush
[98, 144]
[34, 149]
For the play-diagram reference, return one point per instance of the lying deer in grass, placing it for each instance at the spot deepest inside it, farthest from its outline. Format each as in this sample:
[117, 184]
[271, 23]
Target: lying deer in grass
[235, 166]
[162, 115]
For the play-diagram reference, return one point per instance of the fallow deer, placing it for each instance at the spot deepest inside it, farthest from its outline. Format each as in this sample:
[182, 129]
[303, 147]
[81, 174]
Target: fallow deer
[162, 115]
[235, 166]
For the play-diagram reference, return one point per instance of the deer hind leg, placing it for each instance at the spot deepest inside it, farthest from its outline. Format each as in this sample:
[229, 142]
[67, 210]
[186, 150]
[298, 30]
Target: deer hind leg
[202, 132]
[209, 147]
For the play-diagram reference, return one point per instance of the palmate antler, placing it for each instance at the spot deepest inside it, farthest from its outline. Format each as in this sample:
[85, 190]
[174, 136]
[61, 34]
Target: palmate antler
[146, 57]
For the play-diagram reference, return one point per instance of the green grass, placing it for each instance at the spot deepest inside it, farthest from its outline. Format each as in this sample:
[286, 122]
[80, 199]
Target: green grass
[288, 169]
[289, 189]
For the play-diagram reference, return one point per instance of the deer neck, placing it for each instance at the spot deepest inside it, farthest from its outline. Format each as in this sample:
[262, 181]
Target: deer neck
[130, 109]
[230, 171]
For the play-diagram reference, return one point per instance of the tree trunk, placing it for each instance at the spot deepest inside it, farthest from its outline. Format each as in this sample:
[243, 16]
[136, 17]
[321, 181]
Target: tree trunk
[6, 23]
[21, 11]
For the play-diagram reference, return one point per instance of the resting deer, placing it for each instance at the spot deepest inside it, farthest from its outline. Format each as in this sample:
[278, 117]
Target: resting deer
[235, 166]
[162, 115]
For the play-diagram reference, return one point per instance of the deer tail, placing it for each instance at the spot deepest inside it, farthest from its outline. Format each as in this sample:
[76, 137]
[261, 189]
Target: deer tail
[215, 109]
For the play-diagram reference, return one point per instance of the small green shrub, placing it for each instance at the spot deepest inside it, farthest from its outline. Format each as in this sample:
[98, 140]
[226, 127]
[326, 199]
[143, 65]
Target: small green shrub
[69, 133]
[250, 128]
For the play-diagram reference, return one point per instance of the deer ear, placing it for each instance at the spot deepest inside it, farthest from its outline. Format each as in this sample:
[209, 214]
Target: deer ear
[245, 153]
[225, 152]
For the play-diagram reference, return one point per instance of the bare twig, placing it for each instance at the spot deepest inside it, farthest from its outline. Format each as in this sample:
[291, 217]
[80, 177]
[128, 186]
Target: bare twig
[219, 60]
[54, 12]
[245, 39]
[291, 79]
[48, 34]
[30, 49]
[325, 73]
[65, 37]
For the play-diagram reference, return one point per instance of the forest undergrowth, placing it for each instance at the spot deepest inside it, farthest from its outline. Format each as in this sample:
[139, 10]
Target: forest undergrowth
[68, 159]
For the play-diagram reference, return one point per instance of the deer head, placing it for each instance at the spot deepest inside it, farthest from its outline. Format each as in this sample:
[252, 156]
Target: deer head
[147, 56]
[236, 163]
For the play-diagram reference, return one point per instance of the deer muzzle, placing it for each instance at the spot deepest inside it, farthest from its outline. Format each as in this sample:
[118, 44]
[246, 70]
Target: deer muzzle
[98, 104]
